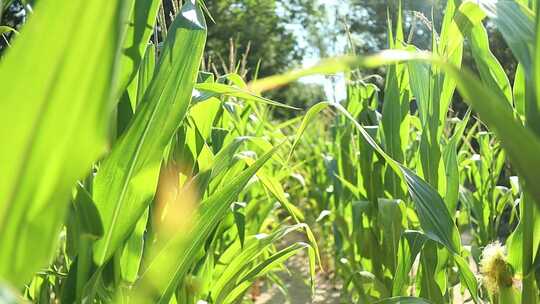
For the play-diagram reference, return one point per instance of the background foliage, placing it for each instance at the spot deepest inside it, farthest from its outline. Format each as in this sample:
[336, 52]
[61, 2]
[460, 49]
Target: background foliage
[149, 162]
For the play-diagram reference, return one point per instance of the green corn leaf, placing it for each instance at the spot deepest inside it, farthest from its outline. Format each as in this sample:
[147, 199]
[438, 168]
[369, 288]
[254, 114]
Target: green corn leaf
[54, 121]
[142, 17]
[237, 285]
[404, 300]
[169, 266]
[425, 85]
[219, 89]
[469, 21]
[278, 192]
[204, 114]
[515, 241]
[432, 212]
[419, 79]
[500, 119]
[267, 265]
[519, 91]
[477, 210]
[145, 75]
[450, 46]
[87, 214]
[431, 286]
[493, 110]
[467, 277]
[410, 245]
[516, 23]
[395, 122]
[222, 162]
[326, 67]
[131, 257]
[270, 263]
[310, 115]
[451, 164]
[241, 258]
[7, 29]
[390, 217]
[127, 179]
[491, 71]
[239, 221]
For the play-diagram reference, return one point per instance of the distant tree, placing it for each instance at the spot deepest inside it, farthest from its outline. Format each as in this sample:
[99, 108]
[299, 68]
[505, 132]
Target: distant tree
[261, 38]
[259, 28]
[367, 21]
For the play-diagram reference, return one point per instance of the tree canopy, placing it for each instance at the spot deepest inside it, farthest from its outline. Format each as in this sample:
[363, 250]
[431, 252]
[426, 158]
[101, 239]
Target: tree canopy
[260, 29]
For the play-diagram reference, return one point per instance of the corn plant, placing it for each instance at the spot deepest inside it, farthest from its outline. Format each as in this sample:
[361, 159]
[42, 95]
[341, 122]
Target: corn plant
[453, 168]
[132, 175]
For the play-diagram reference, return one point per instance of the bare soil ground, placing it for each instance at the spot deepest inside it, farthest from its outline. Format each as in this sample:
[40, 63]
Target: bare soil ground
[297, 283]
[299, 291]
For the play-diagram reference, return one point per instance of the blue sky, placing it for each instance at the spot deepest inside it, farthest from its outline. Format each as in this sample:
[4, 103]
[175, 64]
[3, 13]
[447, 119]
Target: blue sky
[335, 90]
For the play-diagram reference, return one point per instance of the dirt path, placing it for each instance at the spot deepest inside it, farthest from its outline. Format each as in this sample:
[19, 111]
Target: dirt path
[296, 280]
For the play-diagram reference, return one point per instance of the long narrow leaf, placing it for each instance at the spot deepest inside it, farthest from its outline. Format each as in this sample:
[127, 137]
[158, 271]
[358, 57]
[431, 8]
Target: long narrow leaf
[54, 122]
[127, 179]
